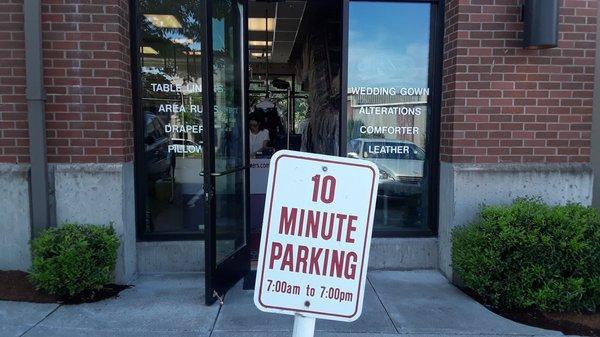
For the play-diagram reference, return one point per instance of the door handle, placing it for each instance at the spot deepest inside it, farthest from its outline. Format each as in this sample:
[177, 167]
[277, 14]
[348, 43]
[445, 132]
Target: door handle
[223, 173]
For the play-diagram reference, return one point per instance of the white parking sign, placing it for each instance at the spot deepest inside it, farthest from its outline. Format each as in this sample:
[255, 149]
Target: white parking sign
[316, 236]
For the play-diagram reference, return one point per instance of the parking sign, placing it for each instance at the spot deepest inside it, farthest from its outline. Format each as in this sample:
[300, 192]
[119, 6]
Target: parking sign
[316, 236]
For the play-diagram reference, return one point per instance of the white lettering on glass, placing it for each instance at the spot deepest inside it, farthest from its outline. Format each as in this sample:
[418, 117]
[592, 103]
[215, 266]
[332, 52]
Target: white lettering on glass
[392, 130]
[384, 149]
[168, 87]
[178, 108]
[389, 91]
[183, 128]
[390, 110]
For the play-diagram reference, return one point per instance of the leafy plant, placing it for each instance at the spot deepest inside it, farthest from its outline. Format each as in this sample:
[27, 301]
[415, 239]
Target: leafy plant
[529, 255]
[74, 260]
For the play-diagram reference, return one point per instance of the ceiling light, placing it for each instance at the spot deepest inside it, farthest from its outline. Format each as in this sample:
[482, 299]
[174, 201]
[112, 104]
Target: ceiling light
[192, 52]
[149, 51]
[259, 54]
[259, 43]
[163, 20]
[258, 24]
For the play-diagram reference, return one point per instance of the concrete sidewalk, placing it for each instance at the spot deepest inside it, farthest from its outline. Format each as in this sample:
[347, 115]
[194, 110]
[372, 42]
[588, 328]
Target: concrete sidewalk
[415, 304]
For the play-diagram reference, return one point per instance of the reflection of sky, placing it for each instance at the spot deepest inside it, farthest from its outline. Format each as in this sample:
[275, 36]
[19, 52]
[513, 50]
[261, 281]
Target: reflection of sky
[176, 35]
[388, 44]
[218, 34]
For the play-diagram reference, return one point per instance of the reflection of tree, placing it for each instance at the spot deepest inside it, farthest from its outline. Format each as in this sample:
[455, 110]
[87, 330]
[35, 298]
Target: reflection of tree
[187, 13]
[189, 118]
[150, 78]
[222, 8]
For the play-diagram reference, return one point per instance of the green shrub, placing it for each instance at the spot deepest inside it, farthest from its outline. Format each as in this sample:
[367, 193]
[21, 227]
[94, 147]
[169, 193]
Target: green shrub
[74, 260]
[532, 256]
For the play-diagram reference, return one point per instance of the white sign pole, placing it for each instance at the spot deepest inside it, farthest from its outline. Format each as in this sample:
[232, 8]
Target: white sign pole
[303, 326]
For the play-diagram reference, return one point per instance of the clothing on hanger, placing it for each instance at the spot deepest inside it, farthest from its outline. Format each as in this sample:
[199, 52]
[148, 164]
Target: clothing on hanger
[265, 103]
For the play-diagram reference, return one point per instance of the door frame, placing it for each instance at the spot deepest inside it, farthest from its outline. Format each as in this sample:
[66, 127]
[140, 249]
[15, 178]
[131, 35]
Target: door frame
[220, 276]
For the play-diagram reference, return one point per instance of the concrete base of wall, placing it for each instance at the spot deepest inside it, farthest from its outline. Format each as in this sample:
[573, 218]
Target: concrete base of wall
[403, 253]
[465, 187]
[170, 256]
[100, 194]
[15, 221]
[386, 254]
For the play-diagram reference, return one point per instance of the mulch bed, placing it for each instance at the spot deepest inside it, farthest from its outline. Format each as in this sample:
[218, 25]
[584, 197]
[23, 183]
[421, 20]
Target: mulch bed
[567, 323]
[16, 287]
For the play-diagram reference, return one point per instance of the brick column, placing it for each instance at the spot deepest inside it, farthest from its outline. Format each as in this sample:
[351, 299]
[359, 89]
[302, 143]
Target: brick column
[87, 77]
[15, 224]
[88, 81]
[595, 151]
[515, 122]
[14, 144]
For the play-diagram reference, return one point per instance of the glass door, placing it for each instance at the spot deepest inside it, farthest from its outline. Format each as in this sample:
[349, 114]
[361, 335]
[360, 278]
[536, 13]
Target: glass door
[226, 167]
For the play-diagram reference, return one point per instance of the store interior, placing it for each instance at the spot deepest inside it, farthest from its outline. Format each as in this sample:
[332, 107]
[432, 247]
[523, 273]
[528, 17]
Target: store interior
[294, 95]
[295, 70]
[294, 102]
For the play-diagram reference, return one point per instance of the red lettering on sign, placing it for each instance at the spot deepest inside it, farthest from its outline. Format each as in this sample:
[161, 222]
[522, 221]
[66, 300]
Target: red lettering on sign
[312, 228]
[340, 217]
[276, 248]
[315, 254]
[288, 258]
[337, 263]
[310, 224]
[314, 261]
[302, 257]
[327, 235]
[327, 188]
[287, 223]
[351, 228]
[350, 271]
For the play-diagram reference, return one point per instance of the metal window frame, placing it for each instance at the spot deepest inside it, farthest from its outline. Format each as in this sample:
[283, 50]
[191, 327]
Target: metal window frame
[140, 185]
[436, 39]
[433, 128]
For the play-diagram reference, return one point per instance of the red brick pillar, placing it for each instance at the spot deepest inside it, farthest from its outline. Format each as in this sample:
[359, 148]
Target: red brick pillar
[13, 107]
[88, 81]
[87, 78]
[514, 122]
[15, 224]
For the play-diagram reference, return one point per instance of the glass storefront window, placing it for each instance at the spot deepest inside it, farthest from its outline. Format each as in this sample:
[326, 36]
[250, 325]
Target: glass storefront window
[170, 60]
[388, 106]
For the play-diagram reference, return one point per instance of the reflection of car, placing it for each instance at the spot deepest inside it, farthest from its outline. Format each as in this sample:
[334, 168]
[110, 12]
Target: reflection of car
[191, 146]
[159, 161]
[397, 160]
[181, 141]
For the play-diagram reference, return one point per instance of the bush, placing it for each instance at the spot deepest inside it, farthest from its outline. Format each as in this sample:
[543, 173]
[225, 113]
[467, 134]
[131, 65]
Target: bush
[532, 256]
[74, 260]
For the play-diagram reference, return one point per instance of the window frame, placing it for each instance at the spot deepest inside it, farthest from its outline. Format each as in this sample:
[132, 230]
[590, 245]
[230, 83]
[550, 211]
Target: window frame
[140, 186]
[433, 123]
[432, 167]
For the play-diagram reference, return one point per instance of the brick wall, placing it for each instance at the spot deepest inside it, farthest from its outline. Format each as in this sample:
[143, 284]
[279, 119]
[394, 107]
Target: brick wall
[502, 103]
[88, 81]
[14, 140]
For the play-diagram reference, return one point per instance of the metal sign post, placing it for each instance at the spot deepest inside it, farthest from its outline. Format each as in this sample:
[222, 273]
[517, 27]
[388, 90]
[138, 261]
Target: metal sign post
[316, 236]
[304, 326]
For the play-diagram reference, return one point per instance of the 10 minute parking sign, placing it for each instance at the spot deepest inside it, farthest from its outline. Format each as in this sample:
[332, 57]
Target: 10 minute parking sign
[316, 236]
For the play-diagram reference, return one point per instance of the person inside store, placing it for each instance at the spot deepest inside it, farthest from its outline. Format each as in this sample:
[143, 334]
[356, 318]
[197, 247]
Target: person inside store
[259, 138]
